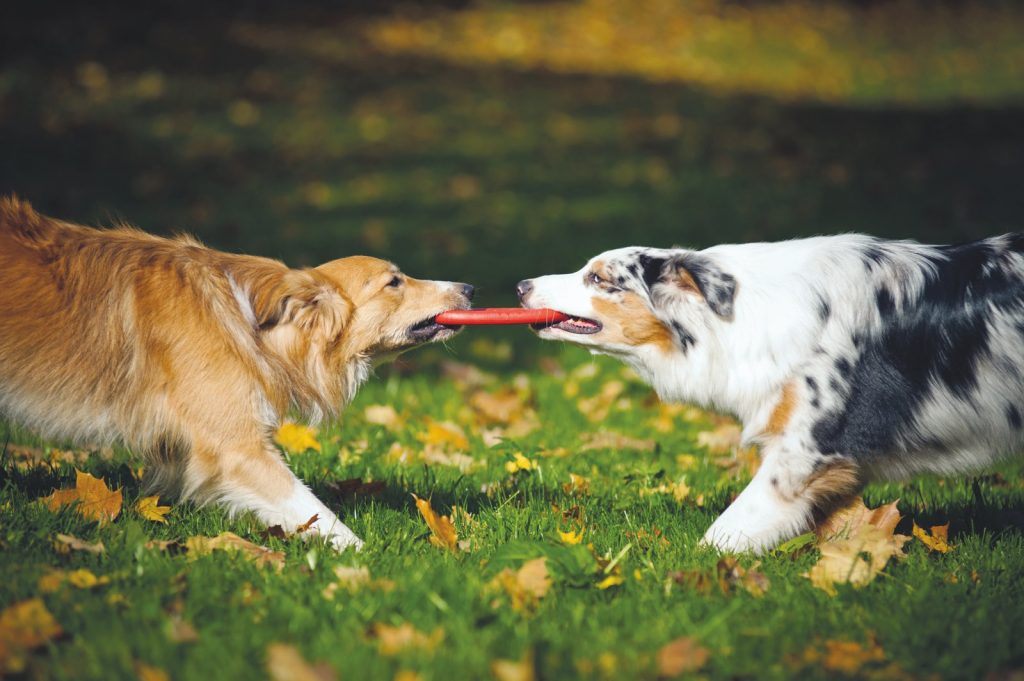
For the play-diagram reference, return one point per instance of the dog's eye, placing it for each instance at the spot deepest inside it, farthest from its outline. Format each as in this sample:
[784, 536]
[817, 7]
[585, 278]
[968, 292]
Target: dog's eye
[594, 278]
[395, 282]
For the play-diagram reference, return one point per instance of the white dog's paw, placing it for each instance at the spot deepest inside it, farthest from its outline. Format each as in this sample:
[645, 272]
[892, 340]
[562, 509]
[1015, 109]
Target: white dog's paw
[342, 542]
[731, 539]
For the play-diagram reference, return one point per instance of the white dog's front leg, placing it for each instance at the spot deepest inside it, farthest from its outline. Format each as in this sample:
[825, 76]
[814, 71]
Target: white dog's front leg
[301, 507]
[770, 510]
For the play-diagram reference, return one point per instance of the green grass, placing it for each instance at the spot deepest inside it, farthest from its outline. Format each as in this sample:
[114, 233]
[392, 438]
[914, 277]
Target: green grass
[924, 623]
[284, 132]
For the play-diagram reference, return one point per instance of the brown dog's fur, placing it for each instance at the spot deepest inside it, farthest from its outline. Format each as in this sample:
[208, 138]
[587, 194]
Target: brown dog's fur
[191, 356]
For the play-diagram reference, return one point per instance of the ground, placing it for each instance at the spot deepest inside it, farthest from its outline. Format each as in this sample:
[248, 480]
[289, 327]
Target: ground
[307, 133]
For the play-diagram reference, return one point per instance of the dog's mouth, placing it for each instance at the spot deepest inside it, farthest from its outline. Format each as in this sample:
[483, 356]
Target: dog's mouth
[428, 330]
[576, 325]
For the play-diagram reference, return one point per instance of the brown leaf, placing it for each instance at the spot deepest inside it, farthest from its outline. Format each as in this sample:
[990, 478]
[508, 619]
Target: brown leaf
[443, 533]
[65, 543]
[229, 541]
[937, 540]
[617, 441]
[355, 488]
[682, 655]
[285, 663]
[732, 574]
[850, 518]
[24, 626]
[146, 672]
[393, 640]
[525, 586]
[180, 631]
[844, 657]
[90, 496]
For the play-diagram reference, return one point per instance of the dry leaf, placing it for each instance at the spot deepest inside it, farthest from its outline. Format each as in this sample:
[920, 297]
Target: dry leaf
[180, 631]
[384, 415]
[440, 456]
[285, 663]
[393, 640]
[65, 543]
[577, 485]
[91, 498]
[229, 541]
[442, 531]
[610, 581]
[146, 672]
[445, 434]
[525, 586]
[149, 509]
[858, 544]
[937, 540]
[80, 579]
[513, 670]
[679, 490]
[616, 441]
[682, 655]
[732, 574]
[722, 439]
[24, 626]
[520, 463]
[596, 408]
[296, 439]
[845, 657]
[572, 537]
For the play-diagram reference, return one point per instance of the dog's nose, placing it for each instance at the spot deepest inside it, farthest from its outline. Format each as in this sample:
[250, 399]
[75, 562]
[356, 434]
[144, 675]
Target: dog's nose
[468, 291]
[523, 288]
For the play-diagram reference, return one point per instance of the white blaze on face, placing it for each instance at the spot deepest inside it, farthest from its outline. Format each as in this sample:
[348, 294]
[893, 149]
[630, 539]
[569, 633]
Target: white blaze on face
[566, 293]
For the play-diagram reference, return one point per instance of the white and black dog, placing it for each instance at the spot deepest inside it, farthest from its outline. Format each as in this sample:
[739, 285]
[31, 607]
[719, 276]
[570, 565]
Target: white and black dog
[847, 358]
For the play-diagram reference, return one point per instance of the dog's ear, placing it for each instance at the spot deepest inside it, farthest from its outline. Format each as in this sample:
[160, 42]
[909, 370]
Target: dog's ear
[703, 276]
[304, 299]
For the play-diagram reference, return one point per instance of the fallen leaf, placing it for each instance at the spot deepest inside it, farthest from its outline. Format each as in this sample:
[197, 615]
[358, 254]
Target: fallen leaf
[440, 456]
[731, 574]
[682, 655]
[393, 640]
[596, 408]
[304, 527]
[229, 541]
[936, 540]
[295, 438]
[24, 626]
[525, 586]
[445, 434]
[610, 581]
[616, 441]
[285, 663]
[520, 463]
[90, 497]
[858, 544]
[65, 543]
[514, 670]
[149, 509]
[571, 538]
[577, 485]
[724, 438]
[844, 657]
[146, 672]
[355, 488]
[443, 533]
[678, 490]
[180, 631]
[384, 415]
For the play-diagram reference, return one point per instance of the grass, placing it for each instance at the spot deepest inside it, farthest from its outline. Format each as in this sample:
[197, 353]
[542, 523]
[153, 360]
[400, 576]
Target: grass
[303, 134]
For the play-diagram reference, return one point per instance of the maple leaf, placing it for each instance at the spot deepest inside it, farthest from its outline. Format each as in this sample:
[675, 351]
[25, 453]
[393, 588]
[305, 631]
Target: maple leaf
[285, 663]
[682, 655]
[65, 543]
[442, 531]
[149, 508]
[936, 540]
[445, 434]
[514, 670]
[229, 541]
[393, 640]
[295, 438]
[90, 497]
[616, 441]
[24, 626]
[384, 415]
[858, 543]
[525, 586]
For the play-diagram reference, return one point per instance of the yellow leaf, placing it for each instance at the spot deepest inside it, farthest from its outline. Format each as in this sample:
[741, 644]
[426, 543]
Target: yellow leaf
[296, 438]
[525, 586]
[393, 640]
[610, 581]
[936, 540]
[445, 434]
[90, 497]
[682, 655]
[229, 541]
[514, 670]
[51, 581]
[572, 537]
[520, 463]
[577, 485]
[285, 663]
[146, 672]
[845, 657]
[149, 509]
[442, 531]
[24, 626]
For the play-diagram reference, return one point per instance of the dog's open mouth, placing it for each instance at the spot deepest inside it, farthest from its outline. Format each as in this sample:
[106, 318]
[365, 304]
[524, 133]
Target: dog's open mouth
[428, 329]
[578, 325]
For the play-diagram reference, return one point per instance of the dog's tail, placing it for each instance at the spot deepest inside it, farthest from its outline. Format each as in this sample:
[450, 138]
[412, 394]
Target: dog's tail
[19, 219]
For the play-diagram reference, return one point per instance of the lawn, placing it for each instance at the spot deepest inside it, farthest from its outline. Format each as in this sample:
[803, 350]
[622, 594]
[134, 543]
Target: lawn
[313, 132]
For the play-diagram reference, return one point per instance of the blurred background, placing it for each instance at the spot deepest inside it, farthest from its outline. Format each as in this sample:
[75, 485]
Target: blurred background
[489, 141]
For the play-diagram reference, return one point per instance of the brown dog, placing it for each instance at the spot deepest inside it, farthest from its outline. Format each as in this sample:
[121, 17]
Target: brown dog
[191, 356]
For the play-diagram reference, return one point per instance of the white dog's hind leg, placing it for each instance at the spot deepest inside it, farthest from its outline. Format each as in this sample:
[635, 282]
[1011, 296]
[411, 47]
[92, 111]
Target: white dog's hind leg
[779, 503]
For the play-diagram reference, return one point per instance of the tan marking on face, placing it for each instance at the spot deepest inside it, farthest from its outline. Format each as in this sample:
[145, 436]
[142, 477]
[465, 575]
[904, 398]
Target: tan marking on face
[600, 269]
[630, 322]
[783, 410]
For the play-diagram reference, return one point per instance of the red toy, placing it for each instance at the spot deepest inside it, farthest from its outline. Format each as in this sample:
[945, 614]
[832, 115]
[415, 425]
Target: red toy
[500, 315]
